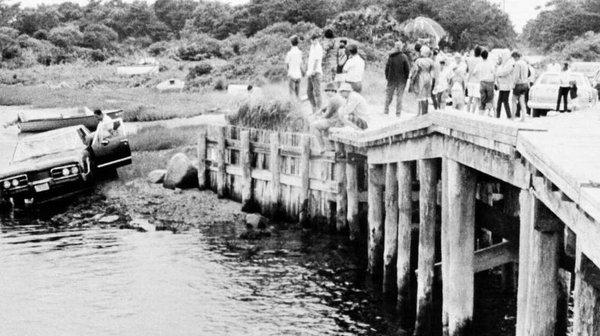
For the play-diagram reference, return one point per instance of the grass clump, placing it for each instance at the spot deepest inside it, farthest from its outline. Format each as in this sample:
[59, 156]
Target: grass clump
[157, 138]
[279, 114]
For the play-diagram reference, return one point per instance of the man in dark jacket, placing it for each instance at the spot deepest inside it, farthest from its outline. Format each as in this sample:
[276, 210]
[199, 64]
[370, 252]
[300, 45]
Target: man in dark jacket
[396, 73]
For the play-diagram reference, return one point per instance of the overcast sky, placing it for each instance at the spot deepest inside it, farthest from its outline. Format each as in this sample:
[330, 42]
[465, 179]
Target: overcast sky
[520, 11]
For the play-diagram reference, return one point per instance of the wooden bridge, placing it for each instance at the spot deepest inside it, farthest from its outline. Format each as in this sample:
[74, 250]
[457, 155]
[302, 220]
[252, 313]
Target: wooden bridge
[447, 178]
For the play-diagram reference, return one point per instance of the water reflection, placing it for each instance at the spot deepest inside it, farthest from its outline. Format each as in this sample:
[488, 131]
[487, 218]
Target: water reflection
[60, 281]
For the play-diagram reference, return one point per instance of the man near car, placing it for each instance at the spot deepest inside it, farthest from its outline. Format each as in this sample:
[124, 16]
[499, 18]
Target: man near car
[397, 70]
[293, 60]
[314, 73]
[565, 87]
[105, 127]
[354, 69]
[521, 78]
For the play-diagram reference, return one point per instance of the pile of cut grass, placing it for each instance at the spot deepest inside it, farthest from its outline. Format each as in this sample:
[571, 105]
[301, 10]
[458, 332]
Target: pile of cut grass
[278, 114]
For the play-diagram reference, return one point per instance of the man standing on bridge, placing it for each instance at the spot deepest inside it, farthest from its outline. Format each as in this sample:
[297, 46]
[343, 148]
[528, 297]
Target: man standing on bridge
[315, 72]
[293, 60]
[396, 74]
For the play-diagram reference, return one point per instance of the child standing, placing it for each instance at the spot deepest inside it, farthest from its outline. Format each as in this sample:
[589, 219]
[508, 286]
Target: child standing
[457, 88]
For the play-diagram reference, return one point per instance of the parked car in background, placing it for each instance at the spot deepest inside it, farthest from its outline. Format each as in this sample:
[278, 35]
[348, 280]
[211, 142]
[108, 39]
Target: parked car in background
[544, 93]
[589, 69]
[59, 163]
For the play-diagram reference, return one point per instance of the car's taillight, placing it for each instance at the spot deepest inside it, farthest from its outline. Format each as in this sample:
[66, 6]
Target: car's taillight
[14, 182]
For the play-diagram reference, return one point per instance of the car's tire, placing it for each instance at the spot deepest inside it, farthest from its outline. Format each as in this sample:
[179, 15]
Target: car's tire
[535, 113]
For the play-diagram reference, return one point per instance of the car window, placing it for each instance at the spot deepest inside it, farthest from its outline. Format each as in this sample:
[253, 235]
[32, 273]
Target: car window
[550, 79]
[37, 146]
[580, 79]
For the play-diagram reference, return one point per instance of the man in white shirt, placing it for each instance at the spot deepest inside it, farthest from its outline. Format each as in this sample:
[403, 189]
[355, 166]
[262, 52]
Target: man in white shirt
[354, 112]
[485, 74]
[314, 73]
[354, 69]
[565, 87]
[293, 60]
[473, 86]
[104, 130]
[521, 74]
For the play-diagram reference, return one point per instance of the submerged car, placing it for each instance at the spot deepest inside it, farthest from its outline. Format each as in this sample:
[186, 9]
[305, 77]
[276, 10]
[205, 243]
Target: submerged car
[59, 163]
[543, 95]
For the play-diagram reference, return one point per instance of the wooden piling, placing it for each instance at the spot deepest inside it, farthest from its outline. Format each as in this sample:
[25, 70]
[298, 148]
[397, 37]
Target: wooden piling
[526, 214]
[586, 308]
[390, 247]
[405, 176]
[221, 154]
[274, 164]
[341, 198]
[202, 159]
[305, 179]
[375, 219]
[245, 160]
[460, 233]
[428, 175]
[543, 280]
[352, 197]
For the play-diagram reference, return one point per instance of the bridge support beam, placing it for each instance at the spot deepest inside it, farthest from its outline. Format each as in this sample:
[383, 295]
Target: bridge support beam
[458, 239]
[375, 219]
[586, 319]
[428, 180]
[404, 276]
[526, 202]
[390, 248]
[352, 196]
[542, 287]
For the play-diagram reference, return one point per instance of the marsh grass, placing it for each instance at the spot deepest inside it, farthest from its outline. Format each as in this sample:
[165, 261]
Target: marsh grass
[157, 138]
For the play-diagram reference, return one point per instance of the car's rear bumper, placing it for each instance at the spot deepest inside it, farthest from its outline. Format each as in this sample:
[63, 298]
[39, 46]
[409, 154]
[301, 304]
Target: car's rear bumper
[49, 189]
[546, 105]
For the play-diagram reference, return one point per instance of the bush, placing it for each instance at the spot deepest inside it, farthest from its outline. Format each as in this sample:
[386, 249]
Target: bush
[11, 52]
[199, 70]
[41, 34]
[269, 113]
[584, 48]
[155, 138]
[220, 84]
[199, 47]
[10, 32]
[158, 48]
[65, 36]
[99, 36]
[234, 45]
[371, 25]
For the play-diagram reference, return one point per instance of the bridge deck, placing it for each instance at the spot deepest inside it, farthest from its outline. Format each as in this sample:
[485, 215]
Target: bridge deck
[565, 148]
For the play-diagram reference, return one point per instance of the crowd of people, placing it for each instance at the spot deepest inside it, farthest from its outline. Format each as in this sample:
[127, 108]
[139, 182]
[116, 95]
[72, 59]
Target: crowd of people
[472, 82]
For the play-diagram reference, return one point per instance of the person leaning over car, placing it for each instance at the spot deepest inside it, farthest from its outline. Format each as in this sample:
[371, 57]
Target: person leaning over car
[105, 127]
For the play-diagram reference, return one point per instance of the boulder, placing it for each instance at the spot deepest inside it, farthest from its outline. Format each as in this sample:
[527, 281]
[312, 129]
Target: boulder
[142, 225]
[157, 176]
[257, 220]
[109, 219]
[180, 173]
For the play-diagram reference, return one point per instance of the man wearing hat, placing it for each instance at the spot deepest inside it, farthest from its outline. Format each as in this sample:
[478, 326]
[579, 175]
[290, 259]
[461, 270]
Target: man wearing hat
[328, 117]
[354, 111]
[354, 69]
[315, 72]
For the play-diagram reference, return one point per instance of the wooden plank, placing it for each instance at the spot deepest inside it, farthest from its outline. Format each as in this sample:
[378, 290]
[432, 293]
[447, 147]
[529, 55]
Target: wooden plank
[526, 215]
[246, 178]
[221, 154]
[375, 220]
[304, 179]
[341, 198]
[428, 180]
[460, 232]
[353, 199]
[494, 256]
[390, 247]
[407, 150]
[405, 177]
[202, 183]
[586, 307]
[275, 163]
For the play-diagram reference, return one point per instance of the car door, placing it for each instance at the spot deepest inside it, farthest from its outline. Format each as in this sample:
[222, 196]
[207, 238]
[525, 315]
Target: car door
[114, 151]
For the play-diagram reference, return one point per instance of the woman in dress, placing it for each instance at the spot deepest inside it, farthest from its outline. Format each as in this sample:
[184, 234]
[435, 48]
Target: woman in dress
[421, 78]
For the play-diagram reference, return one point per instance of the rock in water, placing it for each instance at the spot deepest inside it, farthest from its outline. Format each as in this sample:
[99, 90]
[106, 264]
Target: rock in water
[157, 176]
[142, 225]
[109, 219]
[180, 173]
[257, 221]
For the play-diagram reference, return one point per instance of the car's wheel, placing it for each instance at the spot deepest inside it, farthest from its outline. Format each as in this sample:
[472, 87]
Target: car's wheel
[535, 113]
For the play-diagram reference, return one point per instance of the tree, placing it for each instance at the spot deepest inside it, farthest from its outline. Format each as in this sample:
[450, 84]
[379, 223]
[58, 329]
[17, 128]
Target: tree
[99, 36]
[31, 20]
[65, 36]
[8, 13]
[210, 18]
[69, 12]
[175, 13]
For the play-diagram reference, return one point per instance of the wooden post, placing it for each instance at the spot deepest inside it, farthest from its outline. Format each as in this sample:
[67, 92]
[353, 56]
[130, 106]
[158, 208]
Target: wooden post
[526, 214]
[428, 175]
[375, 218]
[586, 309]
[202, 159]
[274, 163]
[405, 182]
[305, 179]
[460, 236]
[352, 197]
[390, 247]
[445, 244]
[543, 279]
[340, 198]
[246, 161]
[221, 153]
[562, 311]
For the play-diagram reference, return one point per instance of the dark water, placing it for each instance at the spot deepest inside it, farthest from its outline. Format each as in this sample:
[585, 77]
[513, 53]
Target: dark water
[106, 281]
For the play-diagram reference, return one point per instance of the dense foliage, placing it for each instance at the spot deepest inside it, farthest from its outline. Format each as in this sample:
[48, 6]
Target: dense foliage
[560, 22]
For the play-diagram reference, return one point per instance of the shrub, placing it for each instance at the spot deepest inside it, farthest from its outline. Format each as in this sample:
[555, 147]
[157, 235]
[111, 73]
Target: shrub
[157, 48]
[199, 70]
[99, 36]
[65, 36]
[269, 113]
[199, 47]
[41, 34]
[220, 84]
[11, 52]
[371, 25]
[155, 138]
[584, 48]
[234, 45]
[10, 32]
